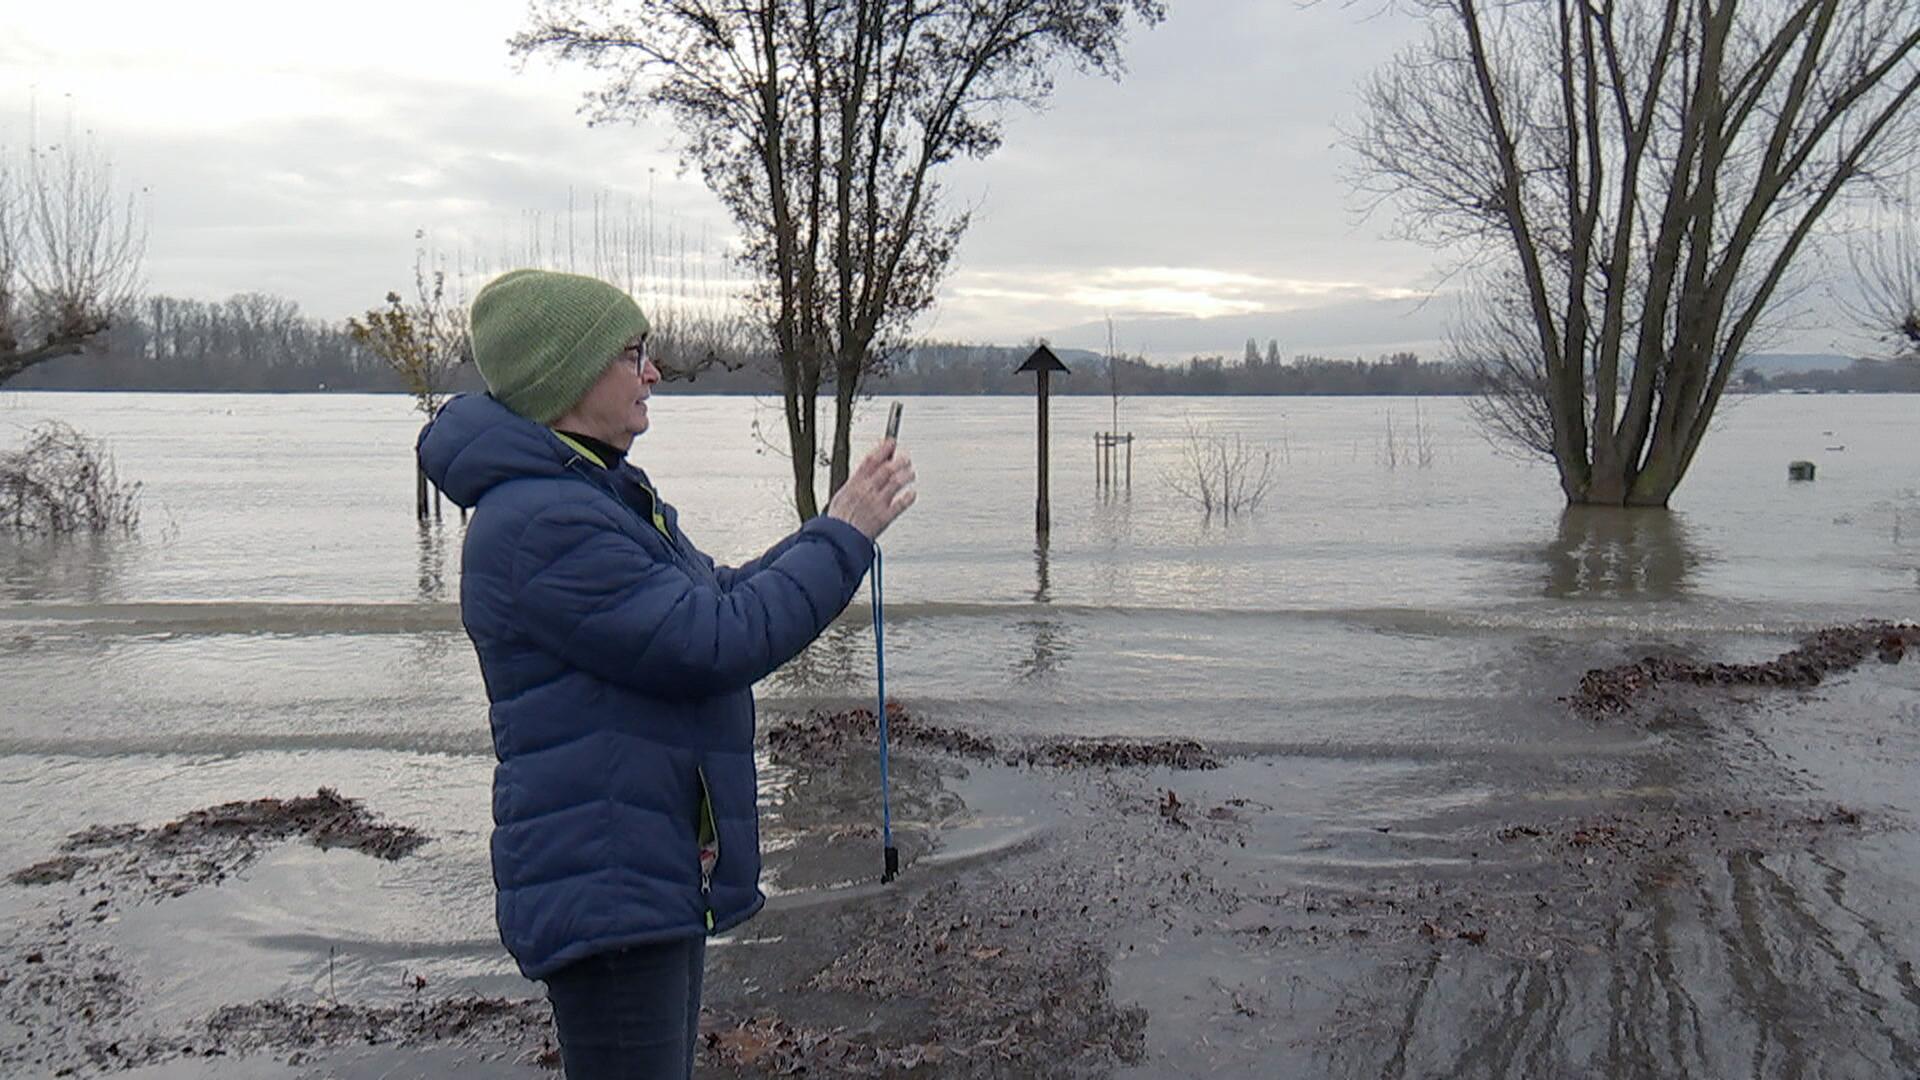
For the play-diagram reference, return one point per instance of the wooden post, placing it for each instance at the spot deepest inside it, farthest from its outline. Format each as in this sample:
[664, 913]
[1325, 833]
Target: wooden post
[1042, 363]
[420, 494]
[1042, 507]
[1129, 461]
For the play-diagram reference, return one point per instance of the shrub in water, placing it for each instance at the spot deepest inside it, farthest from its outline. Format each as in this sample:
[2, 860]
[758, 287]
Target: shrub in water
[62, 482]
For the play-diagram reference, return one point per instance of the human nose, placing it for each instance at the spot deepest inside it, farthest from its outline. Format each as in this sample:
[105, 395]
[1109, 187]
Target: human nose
[649, 374]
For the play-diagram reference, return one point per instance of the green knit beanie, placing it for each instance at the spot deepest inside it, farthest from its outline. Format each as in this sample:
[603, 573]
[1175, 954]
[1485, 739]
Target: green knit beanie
[541, 339]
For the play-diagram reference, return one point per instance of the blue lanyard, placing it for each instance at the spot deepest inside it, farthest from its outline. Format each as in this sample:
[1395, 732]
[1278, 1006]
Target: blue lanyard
[890, 854]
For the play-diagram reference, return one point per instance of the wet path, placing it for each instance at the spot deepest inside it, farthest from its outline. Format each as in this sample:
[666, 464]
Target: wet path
[1716, 883]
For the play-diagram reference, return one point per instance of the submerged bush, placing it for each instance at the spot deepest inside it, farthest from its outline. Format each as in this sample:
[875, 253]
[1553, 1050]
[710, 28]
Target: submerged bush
[1222, 474]
[62, 482]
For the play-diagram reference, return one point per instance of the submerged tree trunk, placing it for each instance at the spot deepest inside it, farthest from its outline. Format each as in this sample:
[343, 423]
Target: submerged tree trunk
[1611, 484]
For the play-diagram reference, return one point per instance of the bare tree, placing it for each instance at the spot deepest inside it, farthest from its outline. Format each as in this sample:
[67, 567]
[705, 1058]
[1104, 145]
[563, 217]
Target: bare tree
[696, 325]
[1222, 474]
[1403, 446]
[1495, 343]
[1886, 267]
[70, 250]
[423, 342]
[1642, 175]
[823, 126]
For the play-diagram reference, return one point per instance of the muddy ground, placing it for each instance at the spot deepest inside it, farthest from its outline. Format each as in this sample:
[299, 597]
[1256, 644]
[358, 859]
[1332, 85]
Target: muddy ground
[1703, 906]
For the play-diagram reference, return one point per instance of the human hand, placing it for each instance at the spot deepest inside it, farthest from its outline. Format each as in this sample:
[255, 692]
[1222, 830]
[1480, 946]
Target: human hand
[880, 489]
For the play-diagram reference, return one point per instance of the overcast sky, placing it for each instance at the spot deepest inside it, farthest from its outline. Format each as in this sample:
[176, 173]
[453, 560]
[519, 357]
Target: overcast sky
[296, 149]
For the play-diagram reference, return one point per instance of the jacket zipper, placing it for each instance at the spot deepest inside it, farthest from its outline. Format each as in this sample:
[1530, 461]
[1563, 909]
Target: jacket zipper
[708, 836]
[658, 521]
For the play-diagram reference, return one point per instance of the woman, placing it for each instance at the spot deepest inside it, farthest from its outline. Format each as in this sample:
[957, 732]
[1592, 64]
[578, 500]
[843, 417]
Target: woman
[619, 661]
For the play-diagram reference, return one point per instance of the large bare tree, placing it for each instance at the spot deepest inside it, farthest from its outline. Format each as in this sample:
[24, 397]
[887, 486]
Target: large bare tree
[71, 246]
[1635, 180]
[823, 126]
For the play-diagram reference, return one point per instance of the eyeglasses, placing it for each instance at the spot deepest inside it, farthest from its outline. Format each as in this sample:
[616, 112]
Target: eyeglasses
[635, 354]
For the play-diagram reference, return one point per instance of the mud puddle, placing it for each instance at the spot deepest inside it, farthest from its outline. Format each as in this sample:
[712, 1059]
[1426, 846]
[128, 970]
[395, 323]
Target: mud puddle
[206, 846]
[823, 735]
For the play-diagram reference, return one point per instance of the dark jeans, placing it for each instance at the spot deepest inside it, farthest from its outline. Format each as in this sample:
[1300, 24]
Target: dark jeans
[632, 1014]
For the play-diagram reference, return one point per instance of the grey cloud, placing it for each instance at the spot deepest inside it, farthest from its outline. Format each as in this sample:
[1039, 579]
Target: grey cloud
[1217, 150]
[324, 210]
[1216, 153]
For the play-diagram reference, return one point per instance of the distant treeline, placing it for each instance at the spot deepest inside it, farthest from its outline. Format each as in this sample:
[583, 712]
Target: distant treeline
[257, 342]
[248, 342]
[1861, 377]
[958, 369]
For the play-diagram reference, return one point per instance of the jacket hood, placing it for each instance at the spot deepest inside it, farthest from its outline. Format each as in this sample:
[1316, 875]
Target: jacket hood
[475, 443]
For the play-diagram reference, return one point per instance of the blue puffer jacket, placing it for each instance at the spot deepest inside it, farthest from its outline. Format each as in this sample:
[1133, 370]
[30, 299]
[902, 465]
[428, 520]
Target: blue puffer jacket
[619, 661]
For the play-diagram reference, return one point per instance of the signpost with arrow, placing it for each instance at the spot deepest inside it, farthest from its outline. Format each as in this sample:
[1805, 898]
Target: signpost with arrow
[1043, 364]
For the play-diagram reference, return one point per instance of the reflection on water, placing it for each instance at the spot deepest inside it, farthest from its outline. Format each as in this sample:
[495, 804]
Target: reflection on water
[429, 653]
[1046, 631]
[84, 568]
[433, 561]
[819, 819]
[1612, 553]
[1110, 533]
[1717, 953]
[1762, 966]
[1042, 576]
[1903, 512]
[837, 662]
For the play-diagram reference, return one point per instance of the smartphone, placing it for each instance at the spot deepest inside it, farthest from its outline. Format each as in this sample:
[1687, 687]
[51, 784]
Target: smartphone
[893, 421]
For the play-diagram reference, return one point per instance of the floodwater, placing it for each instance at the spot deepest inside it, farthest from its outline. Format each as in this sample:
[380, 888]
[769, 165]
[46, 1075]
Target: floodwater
[1382, 644]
